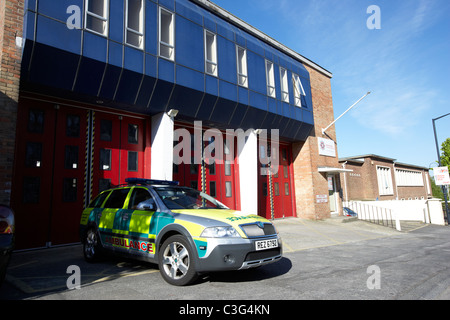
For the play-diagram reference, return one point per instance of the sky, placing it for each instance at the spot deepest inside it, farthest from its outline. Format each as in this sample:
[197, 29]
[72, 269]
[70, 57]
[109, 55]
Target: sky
[405, 64]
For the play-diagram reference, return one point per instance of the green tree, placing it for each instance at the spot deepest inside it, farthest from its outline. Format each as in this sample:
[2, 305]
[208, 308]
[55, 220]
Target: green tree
[445, 155]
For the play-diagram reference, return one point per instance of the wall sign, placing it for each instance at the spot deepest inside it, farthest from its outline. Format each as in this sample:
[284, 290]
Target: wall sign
[326, 147]
[321, 198]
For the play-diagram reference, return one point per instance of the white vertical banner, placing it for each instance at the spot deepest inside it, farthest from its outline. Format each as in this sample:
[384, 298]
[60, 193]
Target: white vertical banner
[441, 176]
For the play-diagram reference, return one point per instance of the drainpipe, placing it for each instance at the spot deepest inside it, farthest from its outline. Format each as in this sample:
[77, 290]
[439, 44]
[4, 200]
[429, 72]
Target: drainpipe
[345, 181]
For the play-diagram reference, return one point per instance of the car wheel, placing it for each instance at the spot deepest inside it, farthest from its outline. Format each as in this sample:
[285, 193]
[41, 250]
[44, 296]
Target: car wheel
[176, 261]
[91, 246]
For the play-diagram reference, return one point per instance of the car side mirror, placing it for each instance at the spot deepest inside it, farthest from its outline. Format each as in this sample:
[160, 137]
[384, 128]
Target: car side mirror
[147, 205]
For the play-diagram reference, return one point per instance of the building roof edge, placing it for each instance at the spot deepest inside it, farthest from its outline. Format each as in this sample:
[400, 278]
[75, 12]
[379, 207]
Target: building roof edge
[214, 8]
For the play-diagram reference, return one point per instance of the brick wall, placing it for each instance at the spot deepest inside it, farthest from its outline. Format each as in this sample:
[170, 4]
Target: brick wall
[11, 26]
[362, 183]
[308, 181]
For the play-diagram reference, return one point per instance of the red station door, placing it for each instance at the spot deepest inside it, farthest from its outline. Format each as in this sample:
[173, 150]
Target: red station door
[276, 195]
[217, 179]
[47, 191]
[118, 150]
[61, 163]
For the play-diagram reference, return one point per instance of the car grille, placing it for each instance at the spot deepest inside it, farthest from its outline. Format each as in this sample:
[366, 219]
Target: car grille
[253, 230]
[260, 255]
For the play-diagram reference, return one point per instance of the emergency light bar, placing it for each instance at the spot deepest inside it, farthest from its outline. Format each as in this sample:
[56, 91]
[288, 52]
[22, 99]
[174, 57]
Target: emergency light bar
[141, 181]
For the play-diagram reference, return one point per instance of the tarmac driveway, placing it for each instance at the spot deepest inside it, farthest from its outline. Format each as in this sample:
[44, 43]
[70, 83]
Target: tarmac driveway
[326, 259]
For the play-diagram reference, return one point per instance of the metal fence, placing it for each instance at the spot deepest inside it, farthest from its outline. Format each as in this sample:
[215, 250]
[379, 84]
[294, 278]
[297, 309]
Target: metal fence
[373, 214]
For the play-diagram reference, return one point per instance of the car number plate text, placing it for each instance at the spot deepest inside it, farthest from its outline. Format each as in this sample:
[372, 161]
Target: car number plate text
[266, 244]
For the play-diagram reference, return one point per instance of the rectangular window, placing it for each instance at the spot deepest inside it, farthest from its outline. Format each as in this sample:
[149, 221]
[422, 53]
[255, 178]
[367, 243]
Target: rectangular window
[286, 188]
[97, 16]
[104, 184]
[36, 121]
[133, 131]
[73, 126]
[298, 90]
[210, 53]
[384, 181]
[276, 189]
[241, 54]
[409, 178]
[105, 159]
[70, 190]
[270, 79]
[166, 34]
[71, 157]
[135, 23]
[132, 161]
[228, 189]
[212, 188]
[33, 155]
[284, 85]
[31, 189]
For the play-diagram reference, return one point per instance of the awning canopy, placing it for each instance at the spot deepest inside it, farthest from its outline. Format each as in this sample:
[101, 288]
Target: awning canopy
[333, 170]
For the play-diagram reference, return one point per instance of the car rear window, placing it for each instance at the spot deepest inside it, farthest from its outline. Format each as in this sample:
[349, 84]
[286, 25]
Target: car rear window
[117, 199]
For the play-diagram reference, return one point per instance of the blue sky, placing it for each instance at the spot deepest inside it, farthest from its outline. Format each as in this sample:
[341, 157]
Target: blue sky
[405, 64]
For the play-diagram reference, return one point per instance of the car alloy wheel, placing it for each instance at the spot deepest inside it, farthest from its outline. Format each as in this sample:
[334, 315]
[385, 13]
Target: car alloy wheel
[176, 261]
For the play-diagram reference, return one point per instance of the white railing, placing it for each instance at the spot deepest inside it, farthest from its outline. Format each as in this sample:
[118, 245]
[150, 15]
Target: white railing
[390, 213]
[371, 213]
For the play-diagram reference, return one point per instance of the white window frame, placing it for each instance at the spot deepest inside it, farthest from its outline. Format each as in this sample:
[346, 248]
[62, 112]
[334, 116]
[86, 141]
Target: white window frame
[409, 178]
[211, 64]
[242, 70]
[298, 90]
[384, 178]
[270, 79]
[171, 44]
[140, 32]
[284, 85]
[91, 15]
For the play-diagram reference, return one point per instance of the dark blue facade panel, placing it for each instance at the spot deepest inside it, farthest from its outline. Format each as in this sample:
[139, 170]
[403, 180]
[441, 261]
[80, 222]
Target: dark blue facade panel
[105, 68]
[145, 92]
[189, 49]
[51, 72]
[116, 14]
[90, 75]
[151, 27]
[56, 34]
[227, 60]
[128, 87]
[95, 47]
[110, 81]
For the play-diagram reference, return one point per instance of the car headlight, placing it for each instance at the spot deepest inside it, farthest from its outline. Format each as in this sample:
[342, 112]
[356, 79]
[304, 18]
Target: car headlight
[220, 232]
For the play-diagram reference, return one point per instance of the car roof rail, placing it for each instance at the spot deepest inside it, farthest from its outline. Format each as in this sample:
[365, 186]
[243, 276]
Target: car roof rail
[146, 182]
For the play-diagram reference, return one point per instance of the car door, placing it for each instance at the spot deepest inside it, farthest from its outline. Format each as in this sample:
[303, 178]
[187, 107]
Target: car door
[132, 225]
[111, 213]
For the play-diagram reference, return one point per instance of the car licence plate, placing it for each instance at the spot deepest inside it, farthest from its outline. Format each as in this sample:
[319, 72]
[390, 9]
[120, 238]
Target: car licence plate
[266, 244]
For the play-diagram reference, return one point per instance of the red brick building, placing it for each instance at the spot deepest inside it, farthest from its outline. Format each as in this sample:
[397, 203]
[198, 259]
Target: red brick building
[375, 177]
[125, 89]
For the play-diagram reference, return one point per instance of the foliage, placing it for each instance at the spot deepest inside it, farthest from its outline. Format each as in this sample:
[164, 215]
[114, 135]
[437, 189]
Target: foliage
[445, 155]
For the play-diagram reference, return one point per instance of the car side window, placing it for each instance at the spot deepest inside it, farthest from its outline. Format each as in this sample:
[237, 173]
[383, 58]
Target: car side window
[98, 201]
[137, 196]
[117, 199]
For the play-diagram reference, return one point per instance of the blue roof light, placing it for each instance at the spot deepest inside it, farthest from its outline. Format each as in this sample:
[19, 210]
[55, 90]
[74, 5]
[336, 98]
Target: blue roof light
[150, 181]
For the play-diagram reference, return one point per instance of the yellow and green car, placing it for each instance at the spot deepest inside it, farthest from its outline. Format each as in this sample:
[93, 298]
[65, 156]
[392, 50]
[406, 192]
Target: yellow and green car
[184, 231]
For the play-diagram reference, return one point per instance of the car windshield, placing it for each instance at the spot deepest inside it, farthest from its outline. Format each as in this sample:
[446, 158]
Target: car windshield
[187, 198]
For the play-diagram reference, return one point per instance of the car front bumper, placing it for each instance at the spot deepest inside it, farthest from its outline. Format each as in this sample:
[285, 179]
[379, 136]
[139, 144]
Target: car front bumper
[237, 254]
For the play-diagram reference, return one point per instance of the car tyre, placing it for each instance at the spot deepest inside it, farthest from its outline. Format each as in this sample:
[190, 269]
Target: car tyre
[176, 261]
[91, 246]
